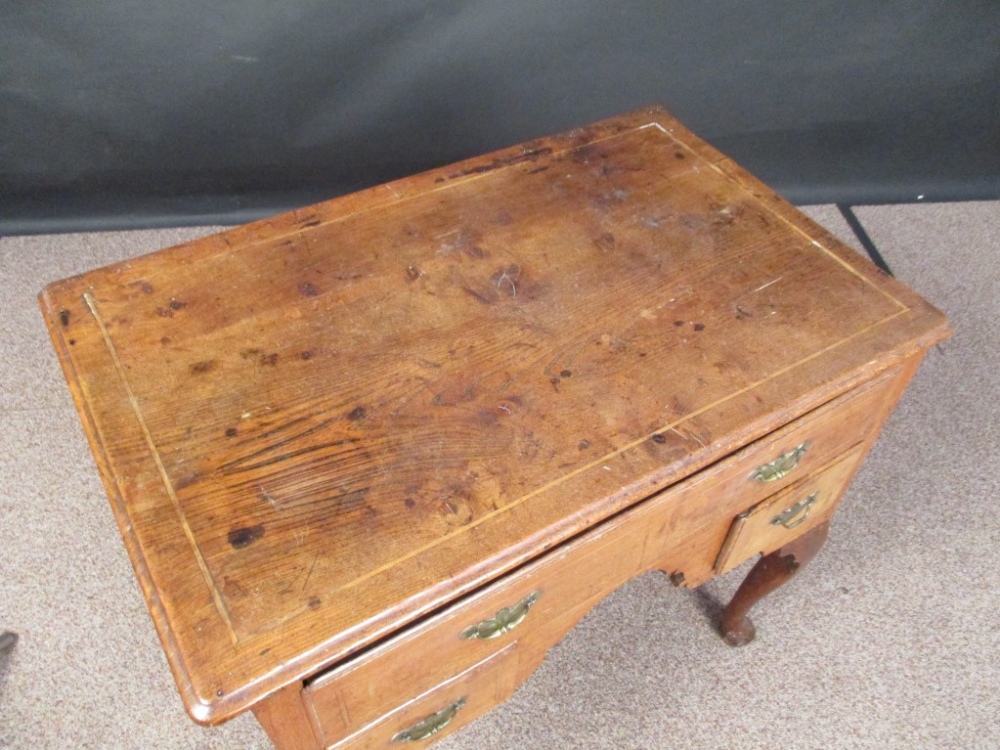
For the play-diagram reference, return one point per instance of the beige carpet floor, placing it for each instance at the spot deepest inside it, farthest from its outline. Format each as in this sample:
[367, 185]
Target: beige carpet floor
[891, 640]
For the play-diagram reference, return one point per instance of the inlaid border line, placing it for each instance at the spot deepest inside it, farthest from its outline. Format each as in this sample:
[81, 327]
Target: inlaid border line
[220, 604]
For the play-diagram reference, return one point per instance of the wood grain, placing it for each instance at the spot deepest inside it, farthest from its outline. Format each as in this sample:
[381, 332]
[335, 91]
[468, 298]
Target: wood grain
[317, 428]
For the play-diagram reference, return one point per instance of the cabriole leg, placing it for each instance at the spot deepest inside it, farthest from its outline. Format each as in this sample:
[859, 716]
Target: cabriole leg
[770, 572]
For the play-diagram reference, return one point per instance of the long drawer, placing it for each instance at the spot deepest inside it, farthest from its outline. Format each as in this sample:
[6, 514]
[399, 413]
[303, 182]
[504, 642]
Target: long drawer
[684, 525]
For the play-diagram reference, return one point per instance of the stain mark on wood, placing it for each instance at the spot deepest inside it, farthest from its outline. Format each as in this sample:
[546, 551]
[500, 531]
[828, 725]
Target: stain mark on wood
[187, 480]
[505, 161]
[606, 242]
[64, 317]
[583, 154]
[698, 326]
[143, 285]
[350, 501]
[308, 289]
[357, 413]
[243, 537]
[200, 368]
[481, 298]
[658, 438]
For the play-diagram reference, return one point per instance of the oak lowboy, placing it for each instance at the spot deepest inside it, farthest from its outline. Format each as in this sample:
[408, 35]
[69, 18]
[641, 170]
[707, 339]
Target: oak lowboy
[373, 458]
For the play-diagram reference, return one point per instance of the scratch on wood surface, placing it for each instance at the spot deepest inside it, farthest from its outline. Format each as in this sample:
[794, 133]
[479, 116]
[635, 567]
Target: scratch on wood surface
[510, 275]
[265, 495]
[312, 566]
[345, 712]
[765, 286]
[688, 434]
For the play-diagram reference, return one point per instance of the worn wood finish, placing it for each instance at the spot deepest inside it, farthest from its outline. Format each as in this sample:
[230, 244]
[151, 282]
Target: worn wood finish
[317, 429]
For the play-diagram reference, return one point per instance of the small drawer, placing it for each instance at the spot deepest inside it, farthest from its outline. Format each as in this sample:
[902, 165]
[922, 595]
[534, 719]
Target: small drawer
[788, 513]
[800, 448]
[708, 501]
[436, 712]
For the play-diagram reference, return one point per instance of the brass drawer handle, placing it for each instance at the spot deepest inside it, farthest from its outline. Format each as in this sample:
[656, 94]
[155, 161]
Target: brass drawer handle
[503, 621]
[430, 725]
[781, 466]
[797, 514]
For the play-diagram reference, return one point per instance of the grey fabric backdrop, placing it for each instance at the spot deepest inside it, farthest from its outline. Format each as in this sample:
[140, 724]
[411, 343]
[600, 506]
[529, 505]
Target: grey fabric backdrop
[117, 113]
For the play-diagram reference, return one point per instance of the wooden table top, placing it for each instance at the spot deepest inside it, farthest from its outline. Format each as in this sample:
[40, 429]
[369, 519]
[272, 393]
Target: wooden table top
[318, 427]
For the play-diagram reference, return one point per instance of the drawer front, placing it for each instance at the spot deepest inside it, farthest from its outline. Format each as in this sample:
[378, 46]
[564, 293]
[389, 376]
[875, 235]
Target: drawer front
[680, 529]
[789, 513]
[804, 445]
[532, 608]
[435, 713]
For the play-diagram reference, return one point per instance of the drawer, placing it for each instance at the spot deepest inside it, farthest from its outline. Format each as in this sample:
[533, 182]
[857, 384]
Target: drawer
[788, 513]
[698, 526]
[532, 608]
[438, 711]
[803, 446]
